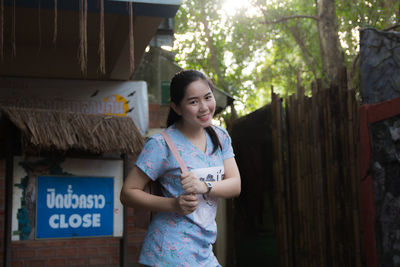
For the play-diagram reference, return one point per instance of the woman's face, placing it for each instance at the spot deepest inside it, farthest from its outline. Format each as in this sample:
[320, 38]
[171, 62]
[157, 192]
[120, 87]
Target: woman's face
[197, 106]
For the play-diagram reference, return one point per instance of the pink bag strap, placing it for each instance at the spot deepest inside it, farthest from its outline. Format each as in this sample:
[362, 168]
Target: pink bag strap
[174, 151]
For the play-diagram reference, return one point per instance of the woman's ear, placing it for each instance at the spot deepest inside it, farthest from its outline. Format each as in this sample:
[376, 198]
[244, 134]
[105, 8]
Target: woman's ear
[176, 108]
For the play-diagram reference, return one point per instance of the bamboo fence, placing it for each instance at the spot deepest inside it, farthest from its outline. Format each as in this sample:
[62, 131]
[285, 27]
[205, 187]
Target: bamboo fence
[316, 182]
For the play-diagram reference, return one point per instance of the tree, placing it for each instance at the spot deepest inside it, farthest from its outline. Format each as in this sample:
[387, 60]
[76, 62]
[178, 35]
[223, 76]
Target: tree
[279, 44]
[356, 13]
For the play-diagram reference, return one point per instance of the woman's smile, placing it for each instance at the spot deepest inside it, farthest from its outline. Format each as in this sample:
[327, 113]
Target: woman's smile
[205, 117]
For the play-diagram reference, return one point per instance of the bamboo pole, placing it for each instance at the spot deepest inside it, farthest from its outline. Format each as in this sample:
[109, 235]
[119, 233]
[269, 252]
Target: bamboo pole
[296, 222]
[300, 181]
[331, 174]
[280, 182]
[318, 185]
[277, 176]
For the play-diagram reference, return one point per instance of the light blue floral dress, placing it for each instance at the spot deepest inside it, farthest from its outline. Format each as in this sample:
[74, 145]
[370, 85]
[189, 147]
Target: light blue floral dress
[182, 240]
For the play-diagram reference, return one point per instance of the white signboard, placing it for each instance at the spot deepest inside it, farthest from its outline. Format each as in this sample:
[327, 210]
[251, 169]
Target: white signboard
[26, 189]
[119, 98]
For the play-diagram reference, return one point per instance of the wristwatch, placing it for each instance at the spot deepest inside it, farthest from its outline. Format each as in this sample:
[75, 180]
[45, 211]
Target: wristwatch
[209, 187]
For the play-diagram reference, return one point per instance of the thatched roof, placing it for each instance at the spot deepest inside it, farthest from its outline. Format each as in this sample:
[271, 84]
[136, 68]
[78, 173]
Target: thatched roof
[60, 130]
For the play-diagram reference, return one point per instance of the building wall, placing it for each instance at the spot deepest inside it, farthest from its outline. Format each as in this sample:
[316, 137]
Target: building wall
[66, 252]
[158, 115]
[73, 252]
[136, 234]
[156, 67]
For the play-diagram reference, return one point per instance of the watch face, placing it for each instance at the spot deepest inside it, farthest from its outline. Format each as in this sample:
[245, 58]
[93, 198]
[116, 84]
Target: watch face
[209, 185]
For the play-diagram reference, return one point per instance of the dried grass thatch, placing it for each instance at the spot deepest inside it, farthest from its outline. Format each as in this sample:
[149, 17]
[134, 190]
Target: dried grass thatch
[60, 130]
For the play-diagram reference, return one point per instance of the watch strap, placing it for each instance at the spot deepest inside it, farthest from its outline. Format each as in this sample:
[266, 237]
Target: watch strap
[209, 187]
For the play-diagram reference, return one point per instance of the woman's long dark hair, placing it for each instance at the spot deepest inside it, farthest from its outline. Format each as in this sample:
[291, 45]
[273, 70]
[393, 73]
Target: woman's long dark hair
[177, 89]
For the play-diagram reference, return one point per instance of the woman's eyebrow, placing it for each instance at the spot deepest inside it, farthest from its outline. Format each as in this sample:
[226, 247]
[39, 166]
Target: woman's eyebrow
[191, 98]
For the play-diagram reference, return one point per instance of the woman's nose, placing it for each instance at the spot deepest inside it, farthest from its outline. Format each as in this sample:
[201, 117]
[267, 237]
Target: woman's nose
[203, 105]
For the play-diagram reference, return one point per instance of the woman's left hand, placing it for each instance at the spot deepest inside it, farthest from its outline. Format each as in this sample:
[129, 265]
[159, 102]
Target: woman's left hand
[192, 185]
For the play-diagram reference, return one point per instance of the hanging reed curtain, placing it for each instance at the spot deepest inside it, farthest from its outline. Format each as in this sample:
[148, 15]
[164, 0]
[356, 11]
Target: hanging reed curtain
[102, 59]
[39, 26]
[55, 23]
[1, 30]
[131, 40]
[316, 178]
[13, 25]
[83, 36]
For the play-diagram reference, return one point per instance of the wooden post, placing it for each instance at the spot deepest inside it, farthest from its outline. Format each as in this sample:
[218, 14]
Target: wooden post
[10, 152]
[124, 240]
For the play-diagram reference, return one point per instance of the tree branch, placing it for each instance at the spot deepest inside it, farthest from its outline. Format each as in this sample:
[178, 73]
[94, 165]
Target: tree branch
[391, 28]
[306, 53]
[289, 18]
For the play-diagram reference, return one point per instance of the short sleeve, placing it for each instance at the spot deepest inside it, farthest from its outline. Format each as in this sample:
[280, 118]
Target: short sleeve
[226, 142]
[152, 160]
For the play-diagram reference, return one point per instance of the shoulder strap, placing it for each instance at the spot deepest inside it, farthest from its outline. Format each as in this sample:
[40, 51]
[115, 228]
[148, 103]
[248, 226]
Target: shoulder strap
[174, 151]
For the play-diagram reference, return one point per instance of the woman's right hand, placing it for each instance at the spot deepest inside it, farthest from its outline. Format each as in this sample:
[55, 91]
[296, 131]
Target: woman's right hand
[186, 203]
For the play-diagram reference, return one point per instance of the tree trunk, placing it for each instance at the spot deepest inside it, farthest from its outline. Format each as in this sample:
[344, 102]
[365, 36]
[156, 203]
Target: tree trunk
[330, 44]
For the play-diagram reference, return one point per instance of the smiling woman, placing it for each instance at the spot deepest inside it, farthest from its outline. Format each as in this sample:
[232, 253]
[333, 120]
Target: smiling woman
[193, 174]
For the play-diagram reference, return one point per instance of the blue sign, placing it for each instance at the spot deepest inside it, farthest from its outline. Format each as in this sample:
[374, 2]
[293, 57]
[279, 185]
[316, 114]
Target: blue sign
[74, 206]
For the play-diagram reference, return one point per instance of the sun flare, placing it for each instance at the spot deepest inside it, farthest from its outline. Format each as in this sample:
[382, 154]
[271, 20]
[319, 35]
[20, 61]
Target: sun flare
[231, 7]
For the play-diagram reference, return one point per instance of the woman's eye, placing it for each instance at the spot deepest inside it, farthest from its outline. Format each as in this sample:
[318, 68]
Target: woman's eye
[193, 102]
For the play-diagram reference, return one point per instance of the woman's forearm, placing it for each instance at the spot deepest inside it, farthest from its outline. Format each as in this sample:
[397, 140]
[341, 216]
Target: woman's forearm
[132, 194]
[139, 199]
[230, 186]
[226, 188]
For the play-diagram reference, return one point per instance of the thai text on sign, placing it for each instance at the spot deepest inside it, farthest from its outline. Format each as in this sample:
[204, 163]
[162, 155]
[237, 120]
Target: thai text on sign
[74, 206]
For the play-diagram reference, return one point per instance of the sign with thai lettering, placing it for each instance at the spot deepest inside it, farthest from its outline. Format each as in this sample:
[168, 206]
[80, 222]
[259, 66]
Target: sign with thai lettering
[116, 98]
[74, 206]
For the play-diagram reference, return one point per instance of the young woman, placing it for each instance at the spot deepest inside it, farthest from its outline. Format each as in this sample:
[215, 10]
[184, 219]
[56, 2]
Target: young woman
[184, 228]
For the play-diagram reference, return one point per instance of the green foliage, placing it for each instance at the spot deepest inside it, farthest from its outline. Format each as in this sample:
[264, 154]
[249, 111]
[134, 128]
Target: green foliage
[248, 53]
